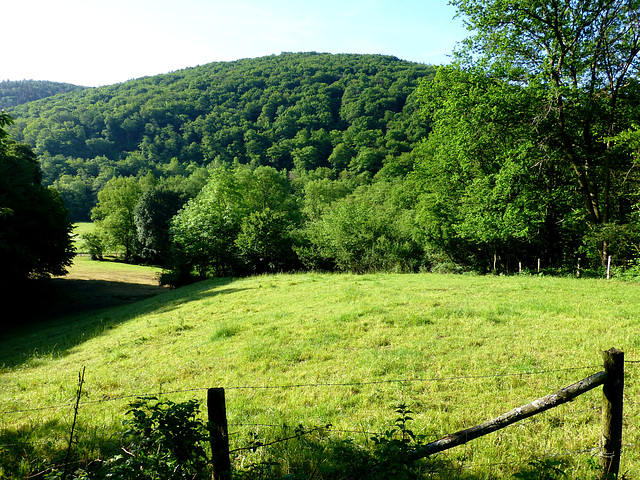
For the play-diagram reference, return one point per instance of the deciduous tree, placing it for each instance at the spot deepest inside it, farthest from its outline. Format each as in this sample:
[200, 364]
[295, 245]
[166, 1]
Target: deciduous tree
[115, 214]
[35, 232]
[577, 62]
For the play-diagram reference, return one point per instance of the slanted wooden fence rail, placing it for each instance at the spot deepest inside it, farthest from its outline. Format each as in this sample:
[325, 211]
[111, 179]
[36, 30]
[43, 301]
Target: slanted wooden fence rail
[611, 379]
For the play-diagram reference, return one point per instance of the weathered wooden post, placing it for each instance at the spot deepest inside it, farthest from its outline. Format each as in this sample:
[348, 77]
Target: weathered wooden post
[612, 393]
[217, 410]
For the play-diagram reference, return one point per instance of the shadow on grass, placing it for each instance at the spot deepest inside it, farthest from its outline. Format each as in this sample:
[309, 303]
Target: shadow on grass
[52, 316]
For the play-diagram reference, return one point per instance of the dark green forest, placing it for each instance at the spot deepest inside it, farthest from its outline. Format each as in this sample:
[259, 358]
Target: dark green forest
[29, 214]
[507, 160]
[343, 112]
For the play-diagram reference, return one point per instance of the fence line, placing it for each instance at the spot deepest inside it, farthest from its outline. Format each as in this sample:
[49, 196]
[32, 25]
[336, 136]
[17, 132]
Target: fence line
[601, 378]
[106, 429]
[611, 379]
[306, 385]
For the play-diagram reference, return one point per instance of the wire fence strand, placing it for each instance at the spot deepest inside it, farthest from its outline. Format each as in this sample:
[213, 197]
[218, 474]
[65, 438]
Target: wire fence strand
[302, 432]
[308, 385]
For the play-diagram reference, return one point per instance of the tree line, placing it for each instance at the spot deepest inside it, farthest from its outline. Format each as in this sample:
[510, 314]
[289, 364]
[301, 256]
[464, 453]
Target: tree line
[256, 219]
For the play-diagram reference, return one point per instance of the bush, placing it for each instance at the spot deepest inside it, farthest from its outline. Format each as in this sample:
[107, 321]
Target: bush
[95, 243]
[166, 440]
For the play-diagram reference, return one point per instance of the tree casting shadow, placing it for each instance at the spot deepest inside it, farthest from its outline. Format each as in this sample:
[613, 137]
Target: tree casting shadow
[53, 316]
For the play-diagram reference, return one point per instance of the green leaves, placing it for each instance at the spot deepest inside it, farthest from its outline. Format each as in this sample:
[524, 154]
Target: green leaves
[274, 111]
[114, 214]
[368, 230]
[240, 221]
[165, 440]
[35, 233]
[519, 156]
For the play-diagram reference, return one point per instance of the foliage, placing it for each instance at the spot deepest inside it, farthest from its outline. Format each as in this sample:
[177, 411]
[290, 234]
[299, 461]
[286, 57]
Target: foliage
[303, 111]
[487, 193]
[23, 91]
[371, 229]
[242, 220]
[157, 205]
[165, 440]
[114, 214]
[35, 233]
[392, 447]
[96, 244]
[264, 242]
[320, 454]
[581, 62]
[203, 231]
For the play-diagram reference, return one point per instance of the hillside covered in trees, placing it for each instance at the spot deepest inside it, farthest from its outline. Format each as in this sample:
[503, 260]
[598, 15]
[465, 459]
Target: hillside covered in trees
[351, 113]
[502, 162]
[13, 93]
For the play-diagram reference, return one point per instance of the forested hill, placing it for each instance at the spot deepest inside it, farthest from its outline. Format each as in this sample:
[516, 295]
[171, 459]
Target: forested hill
[351, 113]
[23, 91]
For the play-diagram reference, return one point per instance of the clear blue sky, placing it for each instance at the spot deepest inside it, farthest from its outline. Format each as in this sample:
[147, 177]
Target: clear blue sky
[101, 42]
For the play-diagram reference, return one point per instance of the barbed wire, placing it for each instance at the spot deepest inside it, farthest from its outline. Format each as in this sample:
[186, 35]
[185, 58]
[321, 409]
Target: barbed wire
[299, 433]
[302, 431]
[308, 385]
[409, 380]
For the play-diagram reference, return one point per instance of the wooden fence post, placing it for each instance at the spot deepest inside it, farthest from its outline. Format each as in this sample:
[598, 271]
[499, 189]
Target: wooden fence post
[217, 410]
[612, 394]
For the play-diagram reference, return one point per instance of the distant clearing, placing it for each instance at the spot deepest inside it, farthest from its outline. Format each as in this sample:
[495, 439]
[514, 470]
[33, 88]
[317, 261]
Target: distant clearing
[92, 285]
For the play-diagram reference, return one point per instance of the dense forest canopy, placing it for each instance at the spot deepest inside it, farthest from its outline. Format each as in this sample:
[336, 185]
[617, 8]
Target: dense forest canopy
[23, 91]
[351, 113]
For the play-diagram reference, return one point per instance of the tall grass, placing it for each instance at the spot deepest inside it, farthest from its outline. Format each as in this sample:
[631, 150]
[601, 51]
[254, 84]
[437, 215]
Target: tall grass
[343, 350]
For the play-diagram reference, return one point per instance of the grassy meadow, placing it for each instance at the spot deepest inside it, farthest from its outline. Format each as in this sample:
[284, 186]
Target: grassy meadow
[340, 349]
[79, 229]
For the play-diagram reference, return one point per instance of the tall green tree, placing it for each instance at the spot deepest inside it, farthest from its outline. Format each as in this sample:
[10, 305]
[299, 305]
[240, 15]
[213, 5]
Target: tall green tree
[35, 232]
[265, 242]
[241, 221]
[489, 193]
[202, 233]
[153, 212]
[578, 61]
[115, 214]
[371, 229]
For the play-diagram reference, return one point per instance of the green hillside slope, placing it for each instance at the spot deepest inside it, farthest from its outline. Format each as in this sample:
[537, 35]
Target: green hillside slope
[340, 349]
[13, 93]
[306, 110]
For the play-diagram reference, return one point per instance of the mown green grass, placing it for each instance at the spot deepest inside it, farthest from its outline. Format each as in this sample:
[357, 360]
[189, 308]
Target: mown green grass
[79, 229]
[84, 267]
[342, 349]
